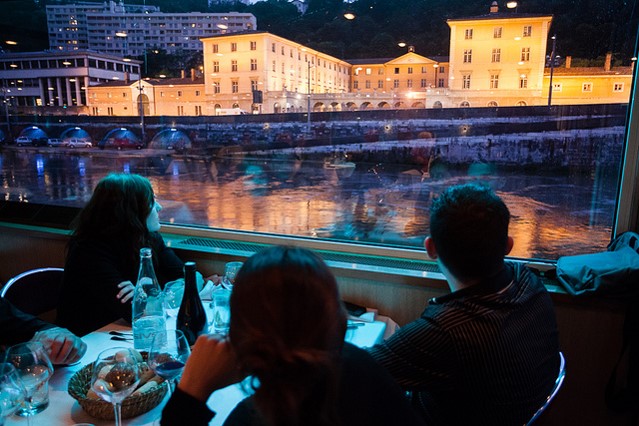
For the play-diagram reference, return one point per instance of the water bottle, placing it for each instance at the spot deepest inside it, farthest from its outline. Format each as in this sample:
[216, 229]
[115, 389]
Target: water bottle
[148, 304]
[191, 318]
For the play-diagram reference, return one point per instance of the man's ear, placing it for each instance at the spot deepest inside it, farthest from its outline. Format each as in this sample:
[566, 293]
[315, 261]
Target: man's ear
[509, 244]
[429, 245]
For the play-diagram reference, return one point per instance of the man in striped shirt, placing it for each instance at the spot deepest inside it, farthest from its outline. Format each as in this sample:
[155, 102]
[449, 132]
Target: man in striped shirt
[488, 352]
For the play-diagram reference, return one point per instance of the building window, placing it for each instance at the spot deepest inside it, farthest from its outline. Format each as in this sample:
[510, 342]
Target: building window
[380, 71]
[423, 70]
[466, 81]
[492, 104]
[423, 83]
[525, 54]
[110, 111]
[396, 84]
[368, 84]
[441, 82]
[494, 81]
[197, 93]
[396, 70]
[233, 47]
[216, 87]
[410, 70]
[254, 85]
[468, 56]
[556, 87]
[497, 32]
[216, 66]
[180, 110]
[253, 64]
[442, 69]
[380, 84]
[355, 84]
[464, 104]
[617, 87]
[198, 110]
[468, 34]
[523, 81]
[496, 55]
[586, 87]
[409, 83]
[179, 93]
[234, 65]
[274, 66]
[235, 87]
[216, 48]
[527, 31]
[253, 45]
[273, 47]
[124, 94]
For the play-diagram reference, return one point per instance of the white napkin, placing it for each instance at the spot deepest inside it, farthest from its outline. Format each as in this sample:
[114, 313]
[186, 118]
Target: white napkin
[207, 292]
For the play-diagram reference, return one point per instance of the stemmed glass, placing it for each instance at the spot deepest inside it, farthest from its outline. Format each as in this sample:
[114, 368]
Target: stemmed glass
[11, 391]
[168, 354]
[34, 369]
[115, 376]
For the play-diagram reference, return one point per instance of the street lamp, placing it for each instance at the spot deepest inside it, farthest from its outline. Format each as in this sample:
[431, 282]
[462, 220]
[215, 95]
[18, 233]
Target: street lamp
[308, 96]
[552, 67]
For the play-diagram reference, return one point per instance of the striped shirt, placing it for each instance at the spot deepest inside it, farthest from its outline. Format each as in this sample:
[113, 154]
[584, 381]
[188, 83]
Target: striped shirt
[483, 355]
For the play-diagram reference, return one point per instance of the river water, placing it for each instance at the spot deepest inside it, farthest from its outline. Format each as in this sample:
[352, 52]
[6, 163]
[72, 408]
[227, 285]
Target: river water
[553, 214]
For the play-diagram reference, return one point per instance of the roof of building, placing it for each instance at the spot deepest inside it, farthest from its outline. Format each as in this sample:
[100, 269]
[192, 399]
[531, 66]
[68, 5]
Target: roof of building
[501, 15]
[45, 54]
[154, 81]
[381, 61]
[583, 71]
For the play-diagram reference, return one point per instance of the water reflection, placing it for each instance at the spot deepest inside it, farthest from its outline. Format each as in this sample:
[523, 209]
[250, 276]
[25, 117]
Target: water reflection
[290, 194]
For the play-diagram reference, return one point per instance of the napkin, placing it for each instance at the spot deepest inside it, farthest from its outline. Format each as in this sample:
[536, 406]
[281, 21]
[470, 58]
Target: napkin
[207, 291]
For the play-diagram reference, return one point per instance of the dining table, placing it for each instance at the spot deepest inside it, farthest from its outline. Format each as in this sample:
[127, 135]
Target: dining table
[64, 410]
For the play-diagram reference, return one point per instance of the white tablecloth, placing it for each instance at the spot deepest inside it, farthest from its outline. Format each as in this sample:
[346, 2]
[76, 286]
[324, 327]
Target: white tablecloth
[64, 410]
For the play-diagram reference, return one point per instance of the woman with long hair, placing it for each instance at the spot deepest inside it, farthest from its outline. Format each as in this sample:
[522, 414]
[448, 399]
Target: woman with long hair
[287, 333]
[103, 255]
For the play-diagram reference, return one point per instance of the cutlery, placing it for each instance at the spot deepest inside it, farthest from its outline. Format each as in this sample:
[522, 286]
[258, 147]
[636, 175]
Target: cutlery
[120, 333]
[122, 338]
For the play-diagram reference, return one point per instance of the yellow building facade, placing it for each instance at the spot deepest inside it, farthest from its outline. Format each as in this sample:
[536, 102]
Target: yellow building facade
[237, 66]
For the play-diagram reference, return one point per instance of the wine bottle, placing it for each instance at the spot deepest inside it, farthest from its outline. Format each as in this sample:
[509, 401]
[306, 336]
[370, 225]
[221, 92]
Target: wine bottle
[148, 304]
[191, 318]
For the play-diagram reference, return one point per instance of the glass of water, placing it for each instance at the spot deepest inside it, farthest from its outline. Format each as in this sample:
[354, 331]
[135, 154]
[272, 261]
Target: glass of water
[230, 272]
[11, 391]
[221, 308]
[173, 293]
[34, 369]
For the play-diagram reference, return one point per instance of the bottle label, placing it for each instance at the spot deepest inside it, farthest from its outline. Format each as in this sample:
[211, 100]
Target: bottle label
[145, 329]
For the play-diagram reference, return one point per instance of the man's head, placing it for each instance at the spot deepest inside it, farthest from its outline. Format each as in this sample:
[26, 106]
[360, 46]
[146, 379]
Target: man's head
[469, 231]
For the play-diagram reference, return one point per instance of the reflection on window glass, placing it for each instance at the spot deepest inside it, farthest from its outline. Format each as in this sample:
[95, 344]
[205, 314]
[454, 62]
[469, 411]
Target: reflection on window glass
[303, 142]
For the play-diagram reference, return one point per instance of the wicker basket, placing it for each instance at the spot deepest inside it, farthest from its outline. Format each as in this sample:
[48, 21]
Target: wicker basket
[132, 406]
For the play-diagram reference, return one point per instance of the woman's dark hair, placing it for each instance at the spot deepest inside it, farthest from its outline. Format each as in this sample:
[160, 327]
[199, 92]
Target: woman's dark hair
[117, 210]
[287, 328]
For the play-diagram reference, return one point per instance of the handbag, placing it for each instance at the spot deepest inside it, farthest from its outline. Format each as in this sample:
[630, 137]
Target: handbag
[614, 272]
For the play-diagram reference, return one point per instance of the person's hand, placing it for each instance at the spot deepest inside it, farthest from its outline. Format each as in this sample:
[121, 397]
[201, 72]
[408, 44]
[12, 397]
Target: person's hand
[126, 291]
[62, 346]
[215, 279]
[211, 366]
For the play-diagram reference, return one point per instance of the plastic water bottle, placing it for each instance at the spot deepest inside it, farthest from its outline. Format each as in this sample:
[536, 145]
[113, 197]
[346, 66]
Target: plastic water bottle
[148, 304]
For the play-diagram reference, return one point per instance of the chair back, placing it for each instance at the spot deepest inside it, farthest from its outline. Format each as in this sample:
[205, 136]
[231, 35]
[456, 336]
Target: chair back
[35, 291]
[558, 382]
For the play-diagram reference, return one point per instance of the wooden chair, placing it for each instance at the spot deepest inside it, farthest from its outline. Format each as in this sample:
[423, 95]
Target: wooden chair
[558, 382]
[35, 291]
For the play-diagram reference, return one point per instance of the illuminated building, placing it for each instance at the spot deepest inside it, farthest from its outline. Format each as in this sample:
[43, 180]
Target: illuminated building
[87, 25]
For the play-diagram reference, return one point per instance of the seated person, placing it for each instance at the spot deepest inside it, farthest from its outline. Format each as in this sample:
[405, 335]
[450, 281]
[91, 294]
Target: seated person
[488, 352]
[62, 346]
[104, 253]
[287, 332]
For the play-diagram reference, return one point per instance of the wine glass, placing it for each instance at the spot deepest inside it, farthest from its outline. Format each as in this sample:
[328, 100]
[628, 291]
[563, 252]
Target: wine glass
[34, 369]
[115, 376]
[11, 391]
[230, 272]
[168, 354]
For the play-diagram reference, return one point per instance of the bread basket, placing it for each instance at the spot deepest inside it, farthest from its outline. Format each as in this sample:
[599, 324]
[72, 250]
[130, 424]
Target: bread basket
[132, 406]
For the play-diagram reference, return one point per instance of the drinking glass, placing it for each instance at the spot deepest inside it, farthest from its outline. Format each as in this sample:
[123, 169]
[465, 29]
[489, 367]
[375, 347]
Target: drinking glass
[168, 354]
[230, 272]
[34, 369]
[221, 308]
[173, 293]
[11, 391]
[115, 376]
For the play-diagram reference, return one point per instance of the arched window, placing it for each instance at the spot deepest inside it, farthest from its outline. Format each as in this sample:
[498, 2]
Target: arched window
[464, 104]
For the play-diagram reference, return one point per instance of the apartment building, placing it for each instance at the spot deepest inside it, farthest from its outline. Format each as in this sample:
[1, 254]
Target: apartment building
[132, 30]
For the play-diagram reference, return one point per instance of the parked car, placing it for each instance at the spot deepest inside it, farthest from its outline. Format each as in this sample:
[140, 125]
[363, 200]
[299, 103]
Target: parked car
[23, 140]
[79, 143]
[56, 142]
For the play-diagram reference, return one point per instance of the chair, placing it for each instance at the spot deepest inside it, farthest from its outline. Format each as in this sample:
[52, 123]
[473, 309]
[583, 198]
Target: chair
[35, 291]
[554, 391]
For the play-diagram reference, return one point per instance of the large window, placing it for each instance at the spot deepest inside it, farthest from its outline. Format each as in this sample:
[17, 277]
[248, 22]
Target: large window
[293, 155]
